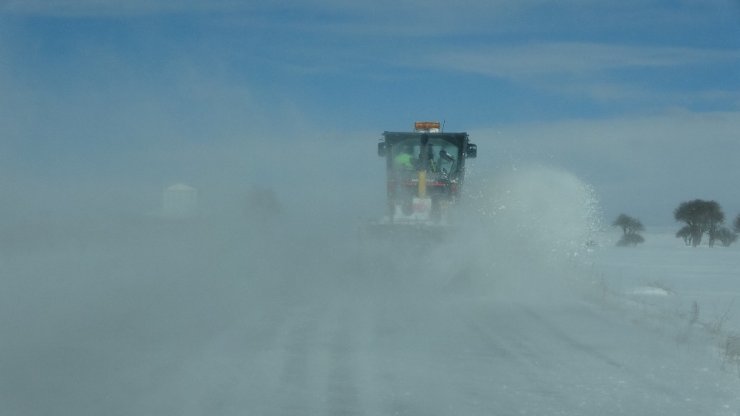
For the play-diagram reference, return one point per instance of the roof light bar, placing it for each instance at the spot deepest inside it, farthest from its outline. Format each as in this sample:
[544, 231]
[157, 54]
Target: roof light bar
[427, 126]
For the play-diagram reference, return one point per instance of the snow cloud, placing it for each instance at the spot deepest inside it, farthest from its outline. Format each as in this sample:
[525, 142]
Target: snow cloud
[690, 154]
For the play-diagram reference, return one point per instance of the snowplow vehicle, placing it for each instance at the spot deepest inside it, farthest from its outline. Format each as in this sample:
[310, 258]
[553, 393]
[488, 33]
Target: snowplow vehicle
[425, 171]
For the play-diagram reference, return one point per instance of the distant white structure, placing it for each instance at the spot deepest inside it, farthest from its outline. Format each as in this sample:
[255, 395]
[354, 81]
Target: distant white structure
[180, 201]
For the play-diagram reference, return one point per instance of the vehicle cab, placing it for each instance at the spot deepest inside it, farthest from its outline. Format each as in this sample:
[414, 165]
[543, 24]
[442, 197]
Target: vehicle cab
[425, 171]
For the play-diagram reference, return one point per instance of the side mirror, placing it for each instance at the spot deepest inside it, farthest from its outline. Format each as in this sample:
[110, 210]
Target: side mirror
[381, 149]
[472, 151]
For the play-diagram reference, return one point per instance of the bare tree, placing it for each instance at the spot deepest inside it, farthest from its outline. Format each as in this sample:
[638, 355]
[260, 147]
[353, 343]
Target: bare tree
[726, 236]
[700, 217]
[630, 229]
[685, 233]
[630, 240]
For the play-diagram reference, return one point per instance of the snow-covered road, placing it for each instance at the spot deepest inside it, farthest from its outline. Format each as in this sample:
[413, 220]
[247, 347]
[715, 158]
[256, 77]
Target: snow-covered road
[205, 329]
[403, 356]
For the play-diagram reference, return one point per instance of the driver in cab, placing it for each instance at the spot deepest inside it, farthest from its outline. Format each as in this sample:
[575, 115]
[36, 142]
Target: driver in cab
[404, 160]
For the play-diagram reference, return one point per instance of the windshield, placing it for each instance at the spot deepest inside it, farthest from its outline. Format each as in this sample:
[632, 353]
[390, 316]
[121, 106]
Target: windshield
[441, 156]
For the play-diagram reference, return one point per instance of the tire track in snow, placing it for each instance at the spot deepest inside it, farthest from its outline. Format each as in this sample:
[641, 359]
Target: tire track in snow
[408, 371]
[300, 347]
[555, 332]
[522, 367]
[342, 392]
[344, 357]
[322, 363]
[660, 390]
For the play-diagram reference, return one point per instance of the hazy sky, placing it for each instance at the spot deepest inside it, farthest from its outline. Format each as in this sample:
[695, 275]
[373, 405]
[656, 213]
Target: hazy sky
[103, 103]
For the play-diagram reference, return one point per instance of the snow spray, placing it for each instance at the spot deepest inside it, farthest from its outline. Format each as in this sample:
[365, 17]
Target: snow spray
[526, 232]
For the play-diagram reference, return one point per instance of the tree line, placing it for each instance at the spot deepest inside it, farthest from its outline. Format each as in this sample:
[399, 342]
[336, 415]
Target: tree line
[700, 218]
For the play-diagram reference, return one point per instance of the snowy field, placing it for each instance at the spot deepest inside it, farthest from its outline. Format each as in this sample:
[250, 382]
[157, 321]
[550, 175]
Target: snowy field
[665, 272]
[148, 317]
